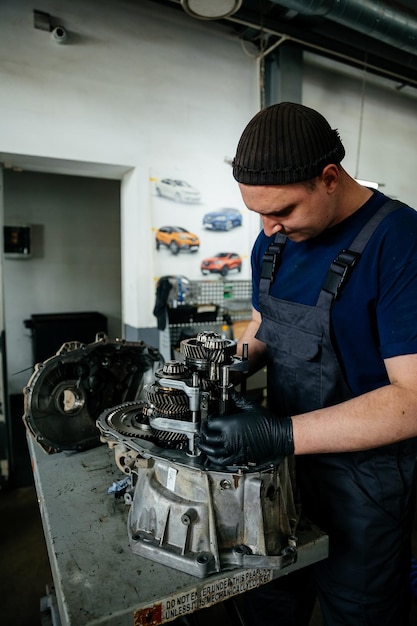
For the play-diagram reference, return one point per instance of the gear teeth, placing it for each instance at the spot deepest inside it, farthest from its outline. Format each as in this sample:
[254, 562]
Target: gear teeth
[220, 350]
[175, 370]
[173, 367]
[206, 336]
[208, 346]
[129, 419]
[193, 349]
[173, 439]
[168, 402]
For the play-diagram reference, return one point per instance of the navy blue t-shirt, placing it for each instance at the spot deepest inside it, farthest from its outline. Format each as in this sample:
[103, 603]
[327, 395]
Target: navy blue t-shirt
[375, 316]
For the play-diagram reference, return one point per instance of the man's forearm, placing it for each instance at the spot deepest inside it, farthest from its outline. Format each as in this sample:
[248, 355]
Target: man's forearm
[380, 417]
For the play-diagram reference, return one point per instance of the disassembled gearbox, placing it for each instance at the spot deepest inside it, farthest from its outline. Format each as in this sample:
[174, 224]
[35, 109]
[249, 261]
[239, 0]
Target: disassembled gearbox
[183, 511]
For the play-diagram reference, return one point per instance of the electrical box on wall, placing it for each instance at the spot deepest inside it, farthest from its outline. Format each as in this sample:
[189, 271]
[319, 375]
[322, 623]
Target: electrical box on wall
[17, 242]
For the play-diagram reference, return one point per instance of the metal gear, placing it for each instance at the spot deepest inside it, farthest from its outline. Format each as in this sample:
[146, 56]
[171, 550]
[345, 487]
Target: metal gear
[130, 420]
[173, 369]
[207, 348]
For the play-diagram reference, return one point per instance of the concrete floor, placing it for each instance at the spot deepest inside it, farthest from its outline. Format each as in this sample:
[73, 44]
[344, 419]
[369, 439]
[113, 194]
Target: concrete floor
[24, 570]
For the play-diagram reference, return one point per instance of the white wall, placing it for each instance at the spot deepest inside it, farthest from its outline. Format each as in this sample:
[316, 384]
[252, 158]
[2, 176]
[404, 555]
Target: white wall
[75, 264]
[146, 88]
[137, 86]
[381, 147]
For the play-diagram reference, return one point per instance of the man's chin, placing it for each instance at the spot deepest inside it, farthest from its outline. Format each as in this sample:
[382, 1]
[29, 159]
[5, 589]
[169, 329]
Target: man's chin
[297, 237]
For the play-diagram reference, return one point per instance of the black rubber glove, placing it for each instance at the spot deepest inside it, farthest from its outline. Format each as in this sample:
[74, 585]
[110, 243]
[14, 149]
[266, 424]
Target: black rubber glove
[251, 435]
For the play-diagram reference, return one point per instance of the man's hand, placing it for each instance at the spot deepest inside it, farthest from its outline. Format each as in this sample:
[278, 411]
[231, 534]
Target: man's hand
[249, 436]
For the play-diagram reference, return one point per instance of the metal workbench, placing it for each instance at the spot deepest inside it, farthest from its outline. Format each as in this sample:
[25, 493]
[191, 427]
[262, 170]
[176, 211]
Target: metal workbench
[97, 579]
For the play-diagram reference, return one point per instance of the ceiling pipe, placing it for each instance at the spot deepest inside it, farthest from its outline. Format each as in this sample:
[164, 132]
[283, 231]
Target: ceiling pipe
[406, 31]
[328, 51]
[373, 18]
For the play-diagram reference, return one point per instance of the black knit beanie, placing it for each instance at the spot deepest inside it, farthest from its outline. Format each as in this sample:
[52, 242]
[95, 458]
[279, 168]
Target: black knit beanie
[285, 143]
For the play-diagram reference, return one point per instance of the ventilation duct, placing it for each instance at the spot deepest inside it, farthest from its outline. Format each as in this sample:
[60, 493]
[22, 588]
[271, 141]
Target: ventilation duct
[375, 19]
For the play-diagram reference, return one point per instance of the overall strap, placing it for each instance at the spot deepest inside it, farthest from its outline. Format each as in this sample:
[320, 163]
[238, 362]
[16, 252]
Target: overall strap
[346, 260]
[271, 263]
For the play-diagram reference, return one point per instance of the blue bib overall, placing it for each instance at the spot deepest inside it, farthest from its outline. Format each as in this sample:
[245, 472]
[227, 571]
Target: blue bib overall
[363, 500]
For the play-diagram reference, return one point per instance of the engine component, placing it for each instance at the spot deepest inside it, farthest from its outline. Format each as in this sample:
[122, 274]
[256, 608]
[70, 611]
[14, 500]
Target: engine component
[185, 513]
[67, 392]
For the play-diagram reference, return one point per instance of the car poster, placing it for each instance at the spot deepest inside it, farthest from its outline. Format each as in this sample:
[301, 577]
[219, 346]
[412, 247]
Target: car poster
[200, 227]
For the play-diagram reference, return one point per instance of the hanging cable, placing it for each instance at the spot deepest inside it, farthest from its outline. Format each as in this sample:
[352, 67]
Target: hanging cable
[364, 80]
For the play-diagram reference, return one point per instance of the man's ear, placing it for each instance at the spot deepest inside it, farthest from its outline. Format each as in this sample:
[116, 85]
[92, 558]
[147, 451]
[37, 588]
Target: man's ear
[330, 176]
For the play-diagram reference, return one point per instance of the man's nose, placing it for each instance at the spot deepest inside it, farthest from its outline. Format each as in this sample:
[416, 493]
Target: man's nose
[270, 226]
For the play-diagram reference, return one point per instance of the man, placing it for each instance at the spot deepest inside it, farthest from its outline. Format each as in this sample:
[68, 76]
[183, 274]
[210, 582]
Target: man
[334, 299]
